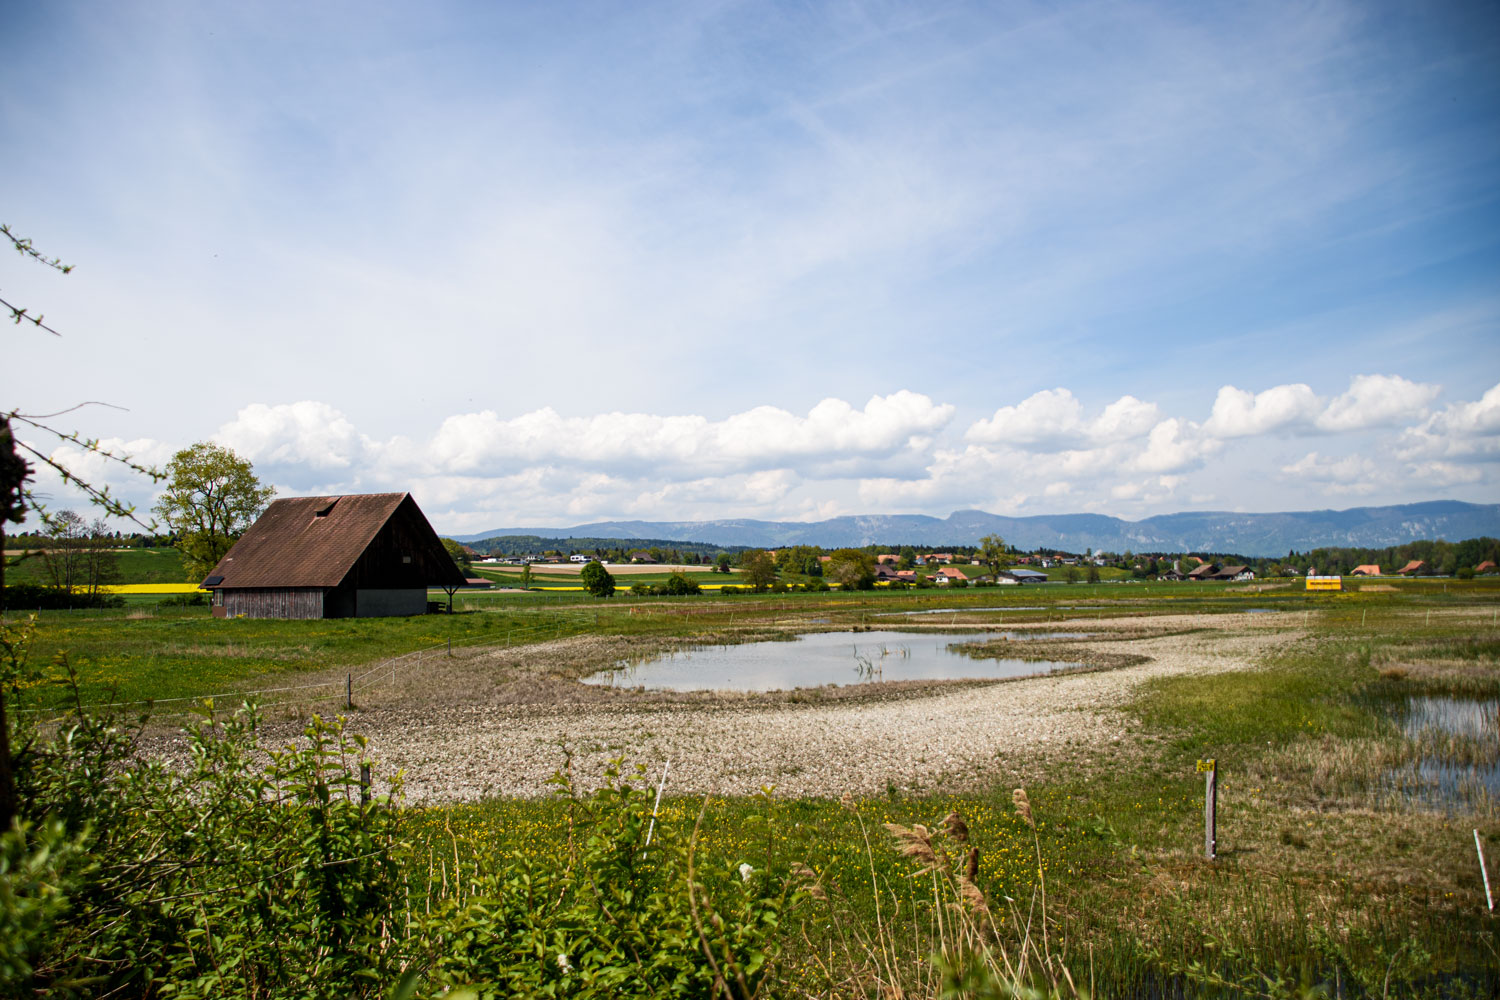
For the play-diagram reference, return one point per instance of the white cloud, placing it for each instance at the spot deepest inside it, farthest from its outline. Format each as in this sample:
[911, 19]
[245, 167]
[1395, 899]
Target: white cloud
[308, 435]
[1238, 413]
[1462, 430]
[1377, 401]
[1352, 474]
[1174, 445]
[1053, 418]
[765, 437]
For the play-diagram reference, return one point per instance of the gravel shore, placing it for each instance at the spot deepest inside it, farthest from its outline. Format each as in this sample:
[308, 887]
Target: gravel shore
[934, 739]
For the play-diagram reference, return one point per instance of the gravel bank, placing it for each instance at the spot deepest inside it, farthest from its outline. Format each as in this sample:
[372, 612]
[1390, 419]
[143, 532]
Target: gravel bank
[937, 739]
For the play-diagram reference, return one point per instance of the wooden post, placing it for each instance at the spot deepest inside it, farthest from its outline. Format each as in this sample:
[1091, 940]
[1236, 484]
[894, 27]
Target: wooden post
[364, 783]
[1485, 872]
[1210, 769]
[349, 690]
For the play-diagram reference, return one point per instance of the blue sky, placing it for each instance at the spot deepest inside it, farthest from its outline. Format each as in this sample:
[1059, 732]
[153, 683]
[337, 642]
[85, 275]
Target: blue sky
[547, 264]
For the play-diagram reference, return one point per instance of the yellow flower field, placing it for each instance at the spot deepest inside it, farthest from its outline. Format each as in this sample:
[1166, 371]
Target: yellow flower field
[152, 588]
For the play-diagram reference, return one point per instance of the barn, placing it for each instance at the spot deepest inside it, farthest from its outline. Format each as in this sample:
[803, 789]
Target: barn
[362, 556]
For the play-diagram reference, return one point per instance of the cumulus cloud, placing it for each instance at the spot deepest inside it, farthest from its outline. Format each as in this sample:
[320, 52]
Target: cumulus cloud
[308, 435]
[1377, 401]
[765, 437]
[1238, 413]
[896, 453]
[1354, 474]
[1174, 445]
[1054, 418]
[1467, 430]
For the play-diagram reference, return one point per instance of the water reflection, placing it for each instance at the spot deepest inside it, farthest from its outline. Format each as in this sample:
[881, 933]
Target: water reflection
[1456, 746]
[829, 658]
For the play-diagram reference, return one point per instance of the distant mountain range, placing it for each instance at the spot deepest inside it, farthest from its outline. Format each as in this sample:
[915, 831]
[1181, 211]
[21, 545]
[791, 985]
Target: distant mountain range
[1193, 531]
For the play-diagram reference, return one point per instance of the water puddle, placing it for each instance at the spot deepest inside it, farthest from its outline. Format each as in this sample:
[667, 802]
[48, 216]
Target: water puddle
[821, 658]
[1457, 741]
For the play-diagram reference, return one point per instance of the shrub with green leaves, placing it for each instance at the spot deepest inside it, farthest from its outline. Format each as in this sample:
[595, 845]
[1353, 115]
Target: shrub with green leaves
[231, 875]
[621, 917]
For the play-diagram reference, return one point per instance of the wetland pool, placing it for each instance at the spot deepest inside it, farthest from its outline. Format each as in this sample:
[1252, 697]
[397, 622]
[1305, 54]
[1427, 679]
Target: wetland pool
[820, 658]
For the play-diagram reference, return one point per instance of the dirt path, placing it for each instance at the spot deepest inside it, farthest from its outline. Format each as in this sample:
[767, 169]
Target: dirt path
[945, 740]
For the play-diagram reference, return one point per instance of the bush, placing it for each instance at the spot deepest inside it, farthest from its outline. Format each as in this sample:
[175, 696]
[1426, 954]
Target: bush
[679, 585]
[36, 597]
[197, 599]
[817, 585]
[641, 590]
[730, 590]
[620, 918]
[226, 877]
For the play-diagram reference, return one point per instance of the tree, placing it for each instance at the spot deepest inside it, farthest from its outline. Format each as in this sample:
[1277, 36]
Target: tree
[526, 576]
[759, 569]
[721, 564]
[1093, 573]
[212, 496]
[460, 553]
[596, 579]
[851, 569]
[680, 585]
[78, 556]
[993, 554]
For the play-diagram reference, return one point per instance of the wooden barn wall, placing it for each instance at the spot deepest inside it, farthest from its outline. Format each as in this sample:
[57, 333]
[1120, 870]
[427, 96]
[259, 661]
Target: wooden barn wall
[407, 533]
[274, 602]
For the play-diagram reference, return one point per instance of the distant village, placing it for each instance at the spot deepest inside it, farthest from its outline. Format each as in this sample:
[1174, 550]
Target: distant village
[918, 565]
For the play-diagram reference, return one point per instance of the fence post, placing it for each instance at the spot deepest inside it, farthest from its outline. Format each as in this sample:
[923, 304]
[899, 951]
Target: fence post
[1210, 769]
[349, 690]
[364, 783]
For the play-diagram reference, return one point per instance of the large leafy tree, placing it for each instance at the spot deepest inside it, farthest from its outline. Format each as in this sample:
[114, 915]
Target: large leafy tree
[597, 580]
[852, 569]
[759, 568]
[993, 553]
[212, 496]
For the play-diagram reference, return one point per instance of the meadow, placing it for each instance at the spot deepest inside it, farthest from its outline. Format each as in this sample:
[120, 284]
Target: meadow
[1339, 869]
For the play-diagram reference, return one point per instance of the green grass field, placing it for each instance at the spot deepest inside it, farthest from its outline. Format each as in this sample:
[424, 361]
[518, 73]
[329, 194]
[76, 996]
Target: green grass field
[1328, 878]
[163, 565]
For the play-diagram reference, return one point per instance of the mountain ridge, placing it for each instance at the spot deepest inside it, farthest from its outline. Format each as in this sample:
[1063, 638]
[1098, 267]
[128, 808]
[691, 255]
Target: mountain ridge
[1252, 534]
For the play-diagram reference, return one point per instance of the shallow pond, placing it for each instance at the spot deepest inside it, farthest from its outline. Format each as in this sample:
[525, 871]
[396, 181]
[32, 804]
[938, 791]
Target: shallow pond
[821, 658]
[1460, 738]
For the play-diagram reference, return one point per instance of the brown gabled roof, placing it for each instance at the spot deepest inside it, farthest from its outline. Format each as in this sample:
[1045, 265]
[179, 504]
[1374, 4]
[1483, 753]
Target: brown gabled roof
[1415, 566]
[1201, 571]
[1368, 569]
[316, 542]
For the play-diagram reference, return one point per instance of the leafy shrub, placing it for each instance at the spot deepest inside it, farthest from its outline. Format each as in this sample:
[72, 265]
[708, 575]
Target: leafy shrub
[641, 590]
[621, 918]
[197, 599]
[37, 597]
[227, 877]
[679, 585]
[731, 590]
